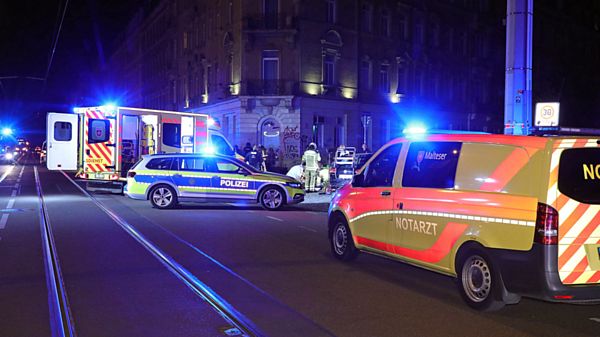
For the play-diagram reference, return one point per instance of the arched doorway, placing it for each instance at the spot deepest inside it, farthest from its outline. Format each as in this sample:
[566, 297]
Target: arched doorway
[270, 130]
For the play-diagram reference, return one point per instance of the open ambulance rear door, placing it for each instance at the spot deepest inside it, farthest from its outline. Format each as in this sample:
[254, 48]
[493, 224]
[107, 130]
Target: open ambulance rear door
[63, 136]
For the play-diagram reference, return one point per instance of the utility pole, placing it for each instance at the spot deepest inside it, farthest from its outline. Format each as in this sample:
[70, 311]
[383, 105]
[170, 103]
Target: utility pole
[517, 91]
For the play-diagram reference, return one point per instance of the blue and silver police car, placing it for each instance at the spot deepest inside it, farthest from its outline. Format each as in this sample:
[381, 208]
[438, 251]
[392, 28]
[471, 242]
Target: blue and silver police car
[167, 179]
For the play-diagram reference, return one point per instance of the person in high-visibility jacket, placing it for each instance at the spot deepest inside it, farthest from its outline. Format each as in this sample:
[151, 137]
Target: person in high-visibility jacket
[311, 160]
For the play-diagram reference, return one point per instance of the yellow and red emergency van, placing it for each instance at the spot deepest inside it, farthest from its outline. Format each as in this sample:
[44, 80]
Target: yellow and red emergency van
[102, 143]
[508, 216]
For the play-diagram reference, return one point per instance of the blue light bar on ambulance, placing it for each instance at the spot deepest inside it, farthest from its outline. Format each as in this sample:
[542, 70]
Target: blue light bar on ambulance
[108, 110]
[414, 130]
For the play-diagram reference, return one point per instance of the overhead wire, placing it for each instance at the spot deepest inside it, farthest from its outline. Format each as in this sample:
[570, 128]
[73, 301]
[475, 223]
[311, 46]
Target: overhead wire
[54, 44]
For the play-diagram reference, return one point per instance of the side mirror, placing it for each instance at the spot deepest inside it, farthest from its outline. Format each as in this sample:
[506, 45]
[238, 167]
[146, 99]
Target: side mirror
[358, 180]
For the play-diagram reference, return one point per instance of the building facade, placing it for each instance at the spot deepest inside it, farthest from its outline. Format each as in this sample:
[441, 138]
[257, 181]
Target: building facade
[284, 73]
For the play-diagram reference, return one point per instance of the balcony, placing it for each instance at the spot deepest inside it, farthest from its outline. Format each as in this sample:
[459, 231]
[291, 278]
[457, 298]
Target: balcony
[269, 87]
[266, 23]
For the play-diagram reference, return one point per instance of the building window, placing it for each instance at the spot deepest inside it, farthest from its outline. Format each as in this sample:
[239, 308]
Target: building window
[328, 70]
[270, 71]
[271, 10]
[367, 17]
[365, 75]
[385, 23]
[319, 131]
[402, 27]
[435, 34]
[384, 78]
[402, 79]
[331, 11]
[464, 43]
[419, 33]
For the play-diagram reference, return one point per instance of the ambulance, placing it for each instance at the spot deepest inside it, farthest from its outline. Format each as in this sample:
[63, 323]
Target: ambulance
[507, 216]
[102, 143]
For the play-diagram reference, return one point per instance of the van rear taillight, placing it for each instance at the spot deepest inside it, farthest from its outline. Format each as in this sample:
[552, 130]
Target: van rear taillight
[130, 174]
[546, 225]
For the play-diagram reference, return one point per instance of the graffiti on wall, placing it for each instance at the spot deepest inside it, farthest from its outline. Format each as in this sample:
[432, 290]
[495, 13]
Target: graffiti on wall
[291, 143]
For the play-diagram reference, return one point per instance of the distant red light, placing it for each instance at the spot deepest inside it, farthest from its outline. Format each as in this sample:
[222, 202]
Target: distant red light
[562, 297]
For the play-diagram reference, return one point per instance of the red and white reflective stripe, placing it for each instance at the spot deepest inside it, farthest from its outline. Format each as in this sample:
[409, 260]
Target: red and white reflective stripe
[579, 224]
[97, 150]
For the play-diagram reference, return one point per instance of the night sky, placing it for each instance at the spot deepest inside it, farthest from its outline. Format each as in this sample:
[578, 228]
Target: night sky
[27, 30]
[87, 39]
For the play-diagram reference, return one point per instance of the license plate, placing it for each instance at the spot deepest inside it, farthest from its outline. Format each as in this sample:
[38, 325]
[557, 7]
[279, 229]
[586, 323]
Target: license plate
[99, 176]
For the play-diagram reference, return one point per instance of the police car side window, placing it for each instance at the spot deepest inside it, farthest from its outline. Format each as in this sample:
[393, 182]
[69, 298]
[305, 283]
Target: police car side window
[159, 164]
[224, 166]
[380, 172]
[192, 164]
[431, 164]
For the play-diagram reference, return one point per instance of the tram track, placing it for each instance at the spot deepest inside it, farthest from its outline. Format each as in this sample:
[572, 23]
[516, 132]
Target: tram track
[61, 319]
[242, 326]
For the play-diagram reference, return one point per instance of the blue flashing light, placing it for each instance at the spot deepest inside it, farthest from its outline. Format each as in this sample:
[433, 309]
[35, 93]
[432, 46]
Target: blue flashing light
[209, 149]
[109, 109]
[414, 129]
[7, 131]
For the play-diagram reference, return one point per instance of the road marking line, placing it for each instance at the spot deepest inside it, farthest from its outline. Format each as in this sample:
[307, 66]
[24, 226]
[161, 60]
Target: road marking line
[274, 218]
[308, 229]
[3, 221]
[6, 173]
[595, 319]
[21, 173]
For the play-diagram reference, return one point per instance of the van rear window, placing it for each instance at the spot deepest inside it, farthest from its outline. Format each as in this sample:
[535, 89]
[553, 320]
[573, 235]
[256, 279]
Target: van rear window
[579, 174]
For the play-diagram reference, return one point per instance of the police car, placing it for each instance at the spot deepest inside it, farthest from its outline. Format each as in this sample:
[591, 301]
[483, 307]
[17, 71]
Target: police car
[167, 179]
[508, 216]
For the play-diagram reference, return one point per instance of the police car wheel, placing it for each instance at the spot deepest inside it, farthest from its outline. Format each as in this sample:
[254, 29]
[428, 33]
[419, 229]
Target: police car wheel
[479, 283]
[271, 198]
[163, 196]
[342, 245]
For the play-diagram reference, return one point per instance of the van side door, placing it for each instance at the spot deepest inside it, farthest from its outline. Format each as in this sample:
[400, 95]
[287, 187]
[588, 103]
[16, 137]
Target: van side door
[424, 201]
[373, 199]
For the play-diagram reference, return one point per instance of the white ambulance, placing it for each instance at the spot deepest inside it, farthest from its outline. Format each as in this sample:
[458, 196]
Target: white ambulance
[103, 143]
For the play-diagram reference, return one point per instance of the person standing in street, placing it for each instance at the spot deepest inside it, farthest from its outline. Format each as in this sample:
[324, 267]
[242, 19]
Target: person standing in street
[311, 160]
[247, 149]
[254, 158]
[364, 149]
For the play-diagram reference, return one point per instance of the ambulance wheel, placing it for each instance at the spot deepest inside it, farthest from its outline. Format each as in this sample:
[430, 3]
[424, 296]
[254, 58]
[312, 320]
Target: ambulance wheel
[163, 197]
[272, 198]
[340, 240]
[479, 283]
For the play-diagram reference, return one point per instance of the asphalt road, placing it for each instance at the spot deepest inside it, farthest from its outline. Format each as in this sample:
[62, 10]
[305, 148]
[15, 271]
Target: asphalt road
[208, 269]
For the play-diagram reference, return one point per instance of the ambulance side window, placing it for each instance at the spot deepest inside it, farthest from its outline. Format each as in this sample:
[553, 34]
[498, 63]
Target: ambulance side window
[431, 164]
[380, 172]
[221, 145]
[159, 164]
[63, 131]
[98, 131]
[172, 134]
